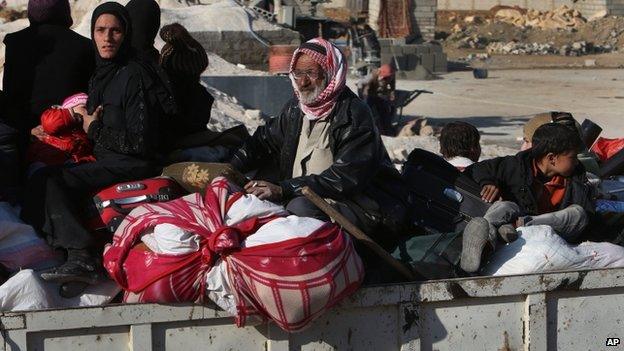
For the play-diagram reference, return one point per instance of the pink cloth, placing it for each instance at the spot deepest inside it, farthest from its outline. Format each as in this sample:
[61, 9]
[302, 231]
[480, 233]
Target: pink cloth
[75, 100]
[334, 64]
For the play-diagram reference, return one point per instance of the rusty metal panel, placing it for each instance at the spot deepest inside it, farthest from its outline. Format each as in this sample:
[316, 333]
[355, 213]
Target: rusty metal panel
[485, 323]
[578, 321]
[371, 328]
[212, 334]
[535, 327]
[105, 339]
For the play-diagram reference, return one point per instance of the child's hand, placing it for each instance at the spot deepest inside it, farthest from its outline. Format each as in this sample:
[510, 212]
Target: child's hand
[490, 193]
[38, 132]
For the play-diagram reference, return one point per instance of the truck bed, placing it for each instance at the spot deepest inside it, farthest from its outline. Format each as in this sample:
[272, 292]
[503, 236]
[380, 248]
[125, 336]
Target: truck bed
[573, 310]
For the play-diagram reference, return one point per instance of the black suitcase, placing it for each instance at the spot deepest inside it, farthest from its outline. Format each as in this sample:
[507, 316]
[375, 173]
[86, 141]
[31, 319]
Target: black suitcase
[613, 166]
[441, 198]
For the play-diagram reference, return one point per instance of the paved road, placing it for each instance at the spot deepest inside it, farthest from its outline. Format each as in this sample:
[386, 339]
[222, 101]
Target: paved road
[499, 105]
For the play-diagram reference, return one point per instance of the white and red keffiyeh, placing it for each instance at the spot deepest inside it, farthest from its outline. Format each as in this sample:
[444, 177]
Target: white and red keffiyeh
[331, 59]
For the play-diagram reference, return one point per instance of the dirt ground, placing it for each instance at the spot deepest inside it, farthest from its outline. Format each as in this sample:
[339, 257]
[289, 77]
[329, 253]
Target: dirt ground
[457, 61]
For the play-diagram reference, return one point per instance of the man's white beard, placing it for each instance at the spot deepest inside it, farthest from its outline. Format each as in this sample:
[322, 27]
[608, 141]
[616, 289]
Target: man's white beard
[308, 97]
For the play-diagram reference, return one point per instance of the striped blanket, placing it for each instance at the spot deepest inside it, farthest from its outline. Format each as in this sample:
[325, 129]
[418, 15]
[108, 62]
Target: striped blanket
[291, 274]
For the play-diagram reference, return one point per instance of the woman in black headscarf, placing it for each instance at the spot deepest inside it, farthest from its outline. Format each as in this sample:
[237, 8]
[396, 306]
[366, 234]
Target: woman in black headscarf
[121, 120]
[145, 18]
[184, 60]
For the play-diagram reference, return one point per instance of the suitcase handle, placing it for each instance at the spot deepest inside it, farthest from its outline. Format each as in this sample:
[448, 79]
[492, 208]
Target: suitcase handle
[120, 209]
[115, 204]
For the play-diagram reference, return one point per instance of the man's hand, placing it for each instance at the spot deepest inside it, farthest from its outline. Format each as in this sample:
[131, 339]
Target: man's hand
[86, 118]
[490, 193]
[264, 190]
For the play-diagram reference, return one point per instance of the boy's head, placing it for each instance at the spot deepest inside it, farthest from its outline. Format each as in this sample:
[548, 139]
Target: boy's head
[556, 146]
[564, 118]
[460, 139]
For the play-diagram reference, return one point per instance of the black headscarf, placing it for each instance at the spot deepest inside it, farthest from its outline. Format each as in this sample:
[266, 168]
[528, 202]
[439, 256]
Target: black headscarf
[105, 69]
[50, 12]
[145, 18]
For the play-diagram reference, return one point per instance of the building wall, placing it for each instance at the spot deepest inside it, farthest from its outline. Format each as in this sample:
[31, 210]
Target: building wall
[373, 13]
[241, 47]
[488, 4]
[425, 18]
[590, 7]
[615, 7]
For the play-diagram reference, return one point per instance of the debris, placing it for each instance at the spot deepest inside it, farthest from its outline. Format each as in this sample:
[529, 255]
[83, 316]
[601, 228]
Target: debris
[457, 28]
[479, 56]
[510, 15]
[413, 127]
[473, 42]
[473, 20]
[598, 15]
[590, 63]
[255, 115]
[513, 48]
[426, 131]
[400, 154]
[562, 17]
[578, 48]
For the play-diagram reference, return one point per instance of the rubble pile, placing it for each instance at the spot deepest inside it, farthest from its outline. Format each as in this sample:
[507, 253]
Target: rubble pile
[400, 147]
[227, 112]
[575, 49]
[561, 18]
[513, 48]
[515, 31]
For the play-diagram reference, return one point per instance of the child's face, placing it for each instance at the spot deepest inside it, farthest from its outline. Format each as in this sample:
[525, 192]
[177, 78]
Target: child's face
[563, 164]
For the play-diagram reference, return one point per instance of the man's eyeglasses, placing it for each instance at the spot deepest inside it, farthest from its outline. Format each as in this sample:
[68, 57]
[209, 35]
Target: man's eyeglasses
[312, 75]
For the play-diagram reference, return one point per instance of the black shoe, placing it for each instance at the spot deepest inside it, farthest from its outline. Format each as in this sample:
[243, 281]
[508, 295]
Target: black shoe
[72, 289]
[508, 233]
[77, 269]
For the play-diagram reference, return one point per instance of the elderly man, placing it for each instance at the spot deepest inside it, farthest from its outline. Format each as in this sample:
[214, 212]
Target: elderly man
[325, 138]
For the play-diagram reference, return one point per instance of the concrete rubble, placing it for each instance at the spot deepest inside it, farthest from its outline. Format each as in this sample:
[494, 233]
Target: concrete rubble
[399, 147]
[508, 30]
[575, 49]
[227, 113]
[561, 18]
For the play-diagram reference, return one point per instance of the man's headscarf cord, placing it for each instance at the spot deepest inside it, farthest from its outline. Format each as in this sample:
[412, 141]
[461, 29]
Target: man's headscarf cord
[331, 59]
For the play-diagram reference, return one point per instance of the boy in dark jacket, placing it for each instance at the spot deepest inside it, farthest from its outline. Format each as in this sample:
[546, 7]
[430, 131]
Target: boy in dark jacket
[544, 185]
